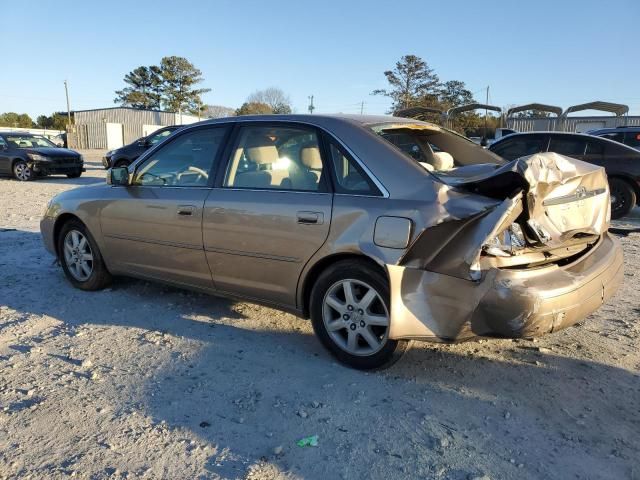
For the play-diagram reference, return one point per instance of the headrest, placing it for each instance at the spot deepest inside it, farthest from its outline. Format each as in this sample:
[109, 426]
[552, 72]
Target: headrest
[263, 154]
[442, 161]
[310, 157]
[428, 166]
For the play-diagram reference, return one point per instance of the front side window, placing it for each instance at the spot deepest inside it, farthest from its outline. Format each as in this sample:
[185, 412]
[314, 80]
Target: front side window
[187, 161]
[3, 144]
[350, 177]
[276, 158]
[158, 137]
[571, 147]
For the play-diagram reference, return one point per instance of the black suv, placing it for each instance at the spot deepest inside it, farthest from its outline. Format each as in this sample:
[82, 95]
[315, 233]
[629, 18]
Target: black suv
[621, 163]
[123, 156]
[25, 156]
[628, 135]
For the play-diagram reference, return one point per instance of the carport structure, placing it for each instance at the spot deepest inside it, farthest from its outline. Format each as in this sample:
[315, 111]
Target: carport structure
[618, 109]
[554, 123]
[455, 111]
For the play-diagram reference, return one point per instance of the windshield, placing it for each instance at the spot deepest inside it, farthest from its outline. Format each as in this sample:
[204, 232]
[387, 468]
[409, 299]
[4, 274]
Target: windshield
[158, 137]
[29, 141]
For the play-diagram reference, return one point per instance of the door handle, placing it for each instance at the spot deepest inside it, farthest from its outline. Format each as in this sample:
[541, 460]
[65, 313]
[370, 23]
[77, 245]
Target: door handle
[186, 210]
[310, 218]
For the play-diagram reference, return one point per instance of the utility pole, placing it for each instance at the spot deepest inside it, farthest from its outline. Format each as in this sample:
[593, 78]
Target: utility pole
[362, 107]
[311, 107]
[66, 91]
[485, 114]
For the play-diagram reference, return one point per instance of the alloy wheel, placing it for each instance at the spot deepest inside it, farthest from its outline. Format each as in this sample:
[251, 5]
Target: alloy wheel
[22, 171]
[356, 317]
[78, 256]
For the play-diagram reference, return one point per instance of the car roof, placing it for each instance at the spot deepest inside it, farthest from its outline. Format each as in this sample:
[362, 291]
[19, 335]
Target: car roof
[615, 129]
[567, 134]
[320, 119]
[26, 134]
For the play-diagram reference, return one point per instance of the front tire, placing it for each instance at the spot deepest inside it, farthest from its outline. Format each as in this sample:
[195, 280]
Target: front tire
[121, 164]
[22, 171]
[80, 257]
[350, 305]
[623, 198]
[76, 174]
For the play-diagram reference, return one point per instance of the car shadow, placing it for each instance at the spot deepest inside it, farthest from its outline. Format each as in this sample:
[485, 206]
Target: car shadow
[258, 379]
[64, 180]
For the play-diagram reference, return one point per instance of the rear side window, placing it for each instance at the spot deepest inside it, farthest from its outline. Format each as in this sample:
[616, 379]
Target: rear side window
[569, 146]
[521, 146]
[616, 136]
[632, 139]
[276, 158]
[350, 177]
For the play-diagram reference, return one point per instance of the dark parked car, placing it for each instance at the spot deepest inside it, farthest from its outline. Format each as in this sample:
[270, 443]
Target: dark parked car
[124, 156]
[628, 135]
[622, 163]
[25, 156]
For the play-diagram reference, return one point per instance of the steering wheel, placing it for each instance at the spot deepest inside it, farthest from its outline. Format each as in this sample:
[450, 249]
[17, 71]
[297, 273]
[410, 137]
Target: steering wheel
[201, 173]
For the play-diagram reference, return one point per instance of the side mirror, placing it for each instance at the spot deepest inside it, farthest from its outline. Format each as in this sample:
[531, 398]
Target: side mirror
[143, 142]
[118, 176]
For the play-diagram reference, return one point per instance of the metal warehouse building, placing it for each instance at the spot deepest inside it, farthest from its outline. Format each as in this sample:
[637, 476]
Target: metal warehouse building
[109, 128]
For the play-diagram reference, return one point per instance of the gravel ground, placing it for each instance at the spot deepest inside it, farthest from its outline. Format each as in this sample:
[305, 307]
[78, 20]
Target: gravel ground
[146, 381]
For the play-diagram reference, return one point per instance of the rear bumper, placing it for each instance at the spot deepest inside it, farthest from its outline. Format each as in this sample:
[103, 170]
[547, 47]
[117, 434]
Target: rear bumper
[505, 303]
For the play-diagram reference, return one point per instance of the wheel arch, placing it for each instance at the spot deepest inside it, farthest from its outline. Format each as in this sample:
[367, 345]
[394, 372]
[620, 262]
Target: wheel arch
[628, 180]
[57, 226]
[16, 159]
[326, 262]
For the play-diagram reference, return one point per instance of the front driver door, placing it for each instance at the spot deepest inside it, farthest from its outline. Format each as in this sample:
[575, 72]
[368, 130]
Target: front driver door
[153, 227]
[270, 213]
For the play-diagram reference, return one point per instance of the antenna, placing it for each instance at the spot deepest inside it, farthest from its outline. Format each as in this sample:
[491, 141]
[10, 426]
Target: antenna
[311, 107]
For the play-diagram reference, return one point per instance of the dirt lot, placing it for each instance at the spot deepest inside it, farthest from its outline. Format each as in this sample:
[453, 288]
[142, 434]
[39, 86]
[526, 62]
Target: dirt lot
[145, 381]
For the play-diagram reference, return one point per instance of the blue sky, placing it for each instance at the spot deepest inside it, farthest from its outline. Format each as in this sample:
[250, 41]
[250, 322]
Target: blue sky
[557, 52]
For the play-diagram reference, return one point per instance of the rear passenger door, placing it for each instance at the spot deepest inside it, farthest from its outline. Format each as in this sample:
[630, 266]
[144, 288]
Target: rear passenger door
[270, 211]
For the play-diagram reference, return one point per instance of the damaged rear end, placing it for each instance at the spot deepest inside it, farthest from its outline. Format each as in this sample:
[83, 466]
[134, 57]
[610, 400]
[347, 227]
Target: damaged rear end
[537, 261]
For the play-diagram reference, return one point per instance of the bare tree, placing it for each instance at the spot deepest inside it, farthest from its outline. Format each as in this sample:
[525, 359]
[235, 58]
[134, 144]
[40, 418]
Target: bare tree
[274, 97]
[218, 111]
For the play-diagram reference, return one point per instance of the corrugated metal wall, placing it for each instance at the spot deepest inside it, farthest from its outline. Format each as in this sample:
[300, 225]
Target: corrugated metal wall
[91, 131]
[571, 124]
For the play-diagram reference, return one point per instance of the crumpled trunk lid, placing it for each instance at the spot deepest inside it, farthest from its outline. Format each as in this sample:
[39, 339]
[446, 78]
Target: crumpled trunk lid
[563, 198]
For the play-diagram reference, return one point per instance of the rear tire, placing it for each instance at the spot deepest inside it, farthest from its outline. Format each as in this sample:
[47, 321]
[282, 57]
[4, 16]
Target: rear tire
[22, 172]
[623, 198]
[349, 306]
[80, 257]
